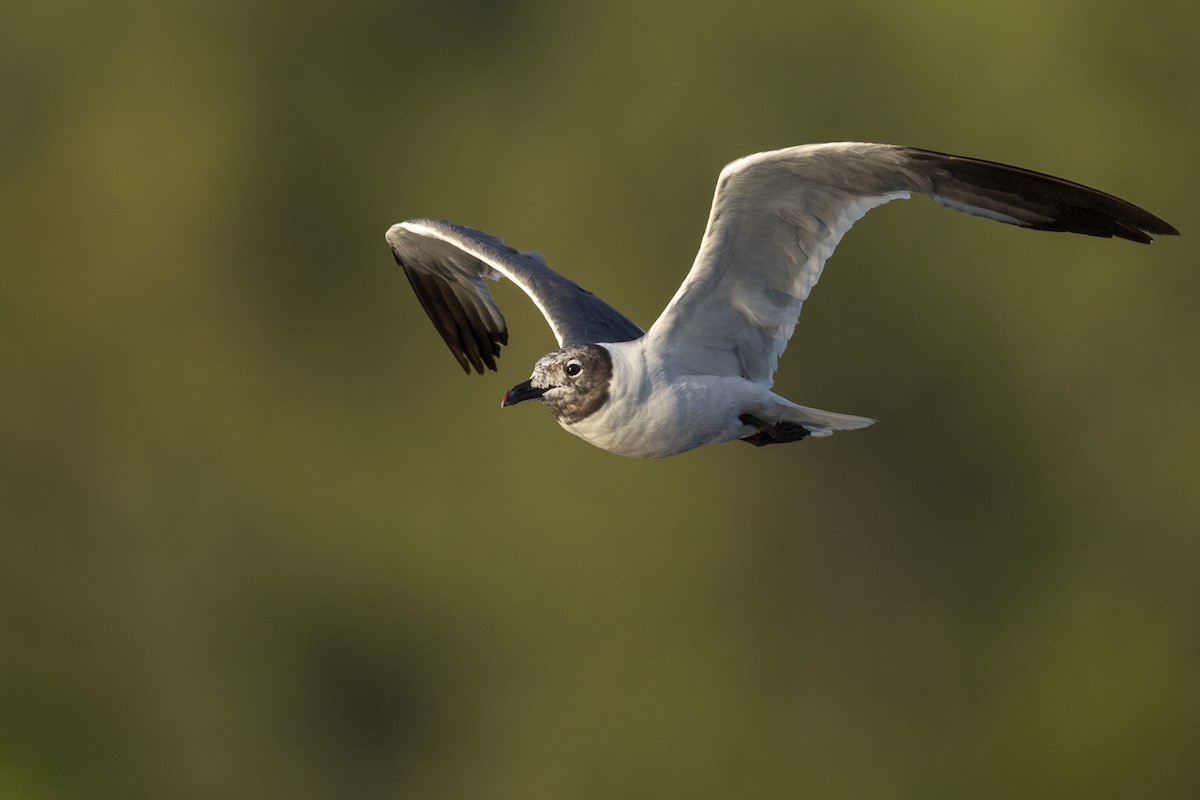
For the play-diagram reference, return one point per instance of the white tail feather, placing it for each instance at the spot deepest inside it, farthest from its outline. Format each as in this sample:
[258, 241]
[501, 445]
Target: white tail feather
[820, 423]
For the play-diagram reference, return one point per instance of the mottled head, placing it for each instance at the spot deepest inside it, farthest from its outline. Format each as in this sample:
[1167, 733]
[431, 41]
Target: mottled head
[573, 382]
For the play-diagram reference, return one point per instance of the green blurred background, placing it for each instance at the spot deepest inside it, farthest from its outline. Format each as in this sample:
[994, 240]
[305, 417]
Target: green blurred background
[262, 538]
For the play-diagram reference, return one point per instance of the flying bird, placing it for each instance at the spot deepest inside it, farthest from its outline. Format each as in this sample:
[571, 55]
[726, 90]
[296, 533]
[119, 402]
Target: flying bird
[703, 372]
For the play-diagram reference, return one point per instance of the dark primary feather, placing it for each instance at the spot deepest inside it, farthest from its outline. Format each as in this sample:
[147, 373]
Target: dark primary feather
[440, 277]
[1036, 200]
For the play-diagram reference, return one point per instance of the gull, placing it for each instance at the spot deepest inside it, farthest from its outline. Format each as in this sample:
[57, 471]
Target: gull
[703, 372]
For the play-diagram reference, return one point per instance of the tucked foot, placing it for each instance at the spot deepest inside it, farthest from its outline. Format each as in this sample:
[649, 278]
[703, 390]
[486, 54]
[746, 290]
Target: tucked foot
[773, 432]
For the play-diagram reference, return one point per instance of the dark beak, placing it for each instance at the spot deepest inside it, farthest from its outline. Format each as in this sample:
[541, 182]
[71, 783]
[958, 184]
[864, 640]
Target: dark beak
[520, 393]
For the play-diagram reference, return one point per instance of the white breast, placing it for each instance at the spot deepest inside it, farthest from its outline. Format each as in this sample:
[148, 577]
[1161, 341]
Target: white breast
[651, 413]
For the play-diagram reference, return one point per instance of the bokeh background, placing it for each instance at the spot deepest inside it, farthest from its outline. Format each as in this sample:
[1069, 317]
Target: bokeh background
[262, 538]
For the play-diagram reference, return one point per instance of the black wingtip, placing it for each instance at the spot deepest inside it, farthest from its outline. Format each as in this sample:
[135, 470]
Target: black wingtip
[1164, 229]
[474, 343]
[1056, 203]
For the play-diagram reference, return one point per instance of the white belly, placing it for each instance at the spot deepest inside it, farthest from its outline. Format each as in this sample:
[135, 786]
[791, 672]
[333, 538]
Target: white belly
[671, 418]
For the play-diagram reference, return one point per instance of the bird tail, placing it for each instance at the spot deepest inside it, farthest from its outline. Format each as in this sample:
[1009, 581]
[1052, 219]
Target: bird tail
[818, 422]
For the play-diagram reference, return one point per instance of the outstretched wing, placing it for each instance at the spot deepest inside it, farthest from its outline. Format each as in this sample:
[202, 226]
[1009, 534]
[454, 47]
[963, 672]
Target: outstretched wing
[778, 216]
[446, 265]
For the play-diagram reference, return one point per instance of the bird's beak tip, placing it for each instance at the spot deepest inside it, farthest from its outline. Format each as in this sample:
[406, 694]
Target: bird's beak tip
[520, 393]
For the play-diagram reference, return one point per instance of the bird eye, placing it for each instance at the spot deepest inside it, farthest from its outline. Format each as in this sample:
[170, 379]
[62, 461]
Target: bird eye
[574, 368]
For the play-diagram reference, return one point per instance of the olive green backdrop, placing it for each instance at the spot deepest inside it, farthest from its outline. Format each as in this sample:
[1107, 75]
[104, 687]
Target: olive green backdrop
[262, 538]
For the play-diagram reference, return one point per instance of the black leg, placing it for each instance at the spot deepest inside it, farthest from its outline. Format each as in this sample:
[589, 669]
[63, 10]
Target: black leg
[773, 433]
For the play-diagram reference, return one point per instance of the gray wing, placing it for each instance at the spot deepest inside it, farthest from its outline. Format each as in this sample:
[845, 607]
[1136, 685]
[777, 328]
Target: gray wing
[778, 216]
[446, 265]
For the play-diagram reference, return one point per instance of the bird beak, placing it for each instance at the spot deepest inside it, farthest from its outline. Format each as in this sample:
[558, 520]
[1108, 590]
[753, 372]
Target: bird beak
[520, 393]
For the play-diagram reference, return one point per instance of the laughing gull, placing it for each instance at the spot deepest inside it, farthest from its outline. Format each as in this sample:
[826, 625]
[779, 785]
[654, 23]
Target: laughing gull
[703, 372]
